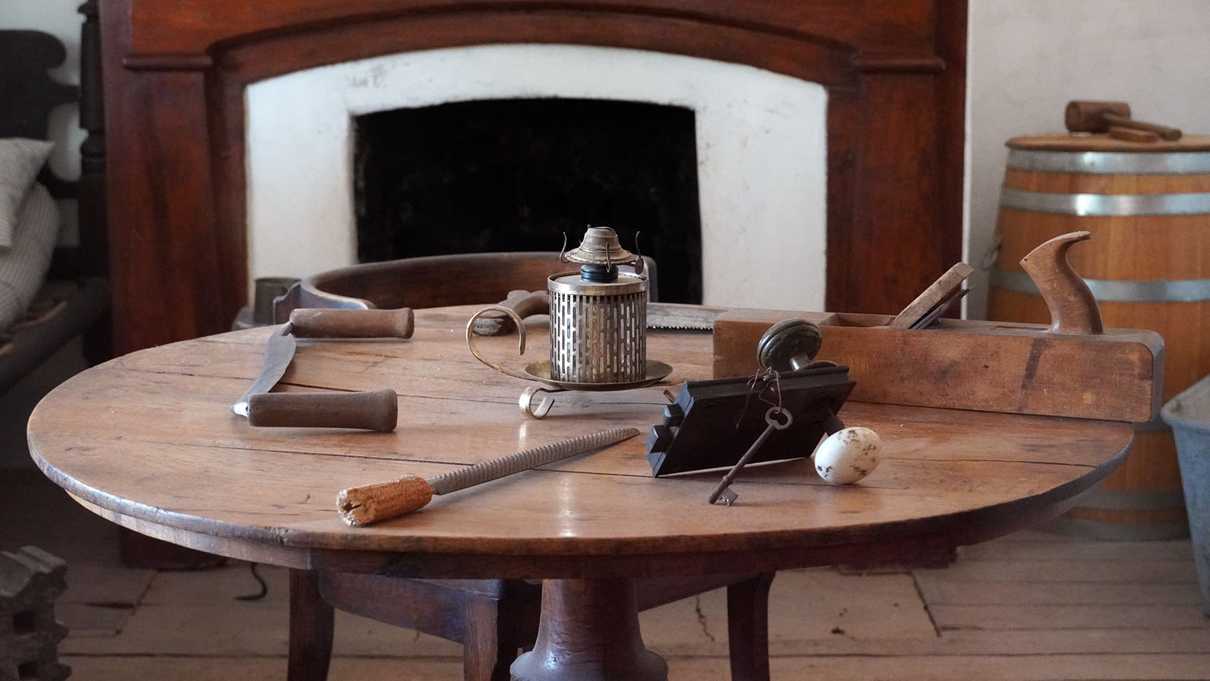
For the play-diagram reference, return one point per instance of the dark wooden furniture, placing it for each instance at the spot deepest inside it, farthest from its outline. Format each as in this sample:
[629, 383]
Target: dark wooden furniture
[493, 619]
[75, 300]
[176, 73]
[150, 443]
[433, 281]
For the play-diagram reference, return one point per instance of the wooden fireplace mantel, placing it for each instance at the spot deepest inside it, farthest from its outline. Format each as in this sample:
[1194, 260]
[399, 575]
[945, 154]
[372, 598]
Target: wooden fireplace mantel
[175, 75]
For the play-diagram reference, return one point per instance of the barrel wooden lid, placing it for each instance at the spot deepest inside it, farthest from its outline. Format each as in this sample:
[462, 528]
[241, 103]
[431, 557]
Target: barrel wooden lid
[1097, 142]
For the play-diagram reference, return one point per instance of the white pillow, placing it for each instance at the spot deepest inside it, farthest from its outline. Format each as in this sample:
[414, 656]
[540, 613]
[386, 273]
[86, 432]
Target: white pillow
[23, 267]
[20, 161]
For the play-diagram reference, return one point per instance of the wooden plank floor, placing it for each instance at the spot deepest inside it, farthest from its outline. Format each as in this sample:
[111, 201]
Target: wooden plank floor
[1028, 606]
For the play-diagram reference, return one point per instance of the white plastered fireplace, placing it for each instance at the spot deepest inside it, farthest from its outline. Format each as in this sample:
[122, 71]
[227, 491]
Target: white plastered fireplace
[760, 140]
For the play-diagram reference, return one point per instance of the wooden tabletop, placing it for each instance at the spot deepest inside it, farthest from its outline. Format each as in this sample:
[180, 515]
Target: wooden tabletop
[149, 441]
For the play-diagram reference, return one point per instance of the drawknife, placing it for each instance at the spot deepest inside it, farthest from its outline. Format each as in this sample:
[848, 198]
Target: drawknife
[367, 410]
[659, 315]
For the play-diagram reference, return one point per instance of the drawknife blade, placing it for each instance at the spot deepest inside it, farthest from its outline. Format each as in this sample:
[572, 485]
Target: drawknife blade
[279, 350]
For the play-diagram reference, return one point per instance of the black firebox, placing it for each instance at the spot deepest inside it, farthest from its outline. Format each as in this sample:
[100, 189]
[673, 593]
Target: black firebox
[516, 174]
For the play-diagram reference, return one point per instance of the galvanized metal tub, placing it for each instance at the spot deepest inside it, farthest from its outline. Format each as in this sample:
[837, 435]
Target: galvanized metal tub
[1189, 415]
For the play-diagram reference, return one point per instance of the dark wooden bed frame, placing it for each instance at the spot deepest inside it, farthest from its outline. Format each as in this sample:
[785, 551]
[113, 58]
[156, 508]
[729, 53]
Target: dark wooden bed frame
[76, 297]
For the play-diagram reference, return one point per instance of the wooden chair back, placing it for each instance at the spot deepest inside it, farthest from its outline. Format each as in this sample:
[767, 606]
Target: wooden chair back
[431, 281]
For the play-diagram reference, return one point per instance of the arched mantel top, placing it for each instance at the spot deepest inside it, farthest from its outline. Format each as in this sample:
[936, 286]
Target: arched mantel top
[794, 39]
[196, 26]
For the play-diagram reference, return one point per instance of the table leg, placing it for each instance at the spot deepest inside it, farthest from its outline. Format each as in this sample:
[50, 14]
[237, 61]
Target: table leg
[589, 632]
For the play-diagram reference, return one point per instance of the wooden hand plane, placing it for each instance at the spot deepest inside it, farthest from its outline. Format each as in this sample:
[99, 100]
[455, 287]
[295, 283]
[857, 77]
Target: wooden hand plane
[1072, 368]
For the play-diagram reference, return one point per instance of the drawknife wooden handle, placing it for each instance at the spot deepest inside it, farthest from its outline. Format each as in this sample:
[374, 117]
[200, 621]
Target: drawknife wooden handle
[371, 410]
[370, 503]
[337, 323]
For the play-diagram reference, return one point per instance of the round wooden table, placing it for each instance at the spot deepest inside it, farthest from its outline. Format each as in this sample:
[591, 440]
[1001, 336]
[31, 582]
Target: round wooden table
[148, 441]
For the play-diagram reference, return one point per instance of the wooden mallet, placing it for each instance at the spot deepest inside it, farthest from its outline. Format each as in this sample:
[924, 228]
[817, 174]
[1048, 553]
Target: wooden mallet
[1114, 118]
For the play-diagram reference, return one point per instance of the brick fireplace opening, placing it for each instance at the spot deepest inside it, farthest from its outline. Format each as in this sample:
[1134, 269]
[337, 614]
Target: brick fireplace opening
[518, 174]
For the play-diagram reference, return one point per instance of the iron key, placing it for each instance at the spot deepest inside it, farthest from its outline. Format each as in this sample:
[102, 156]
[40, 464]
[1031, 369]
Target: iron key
[723, 494]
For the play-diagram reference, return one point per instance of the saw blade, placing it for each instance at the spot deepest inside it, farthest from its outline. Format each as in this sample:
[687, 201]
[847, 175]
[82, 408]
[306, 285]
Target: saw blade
[678, 317]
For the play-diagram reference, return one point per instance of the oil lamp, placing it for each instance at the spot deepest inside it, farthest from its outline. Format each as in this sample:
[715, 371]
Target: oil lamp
[598, 315]
[598, 321]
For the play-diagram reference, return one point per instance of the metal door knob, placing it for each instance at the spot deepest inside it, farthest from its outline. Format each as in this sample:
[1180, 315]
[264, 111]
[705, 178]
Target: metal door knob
[789, 345]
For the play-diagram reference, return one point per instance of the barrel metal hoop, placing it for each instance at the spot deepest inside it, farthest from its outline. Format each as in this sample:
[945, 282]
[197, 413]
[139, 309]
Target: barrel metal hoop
[1118, 290]
[1105, 204]
[1111, 162]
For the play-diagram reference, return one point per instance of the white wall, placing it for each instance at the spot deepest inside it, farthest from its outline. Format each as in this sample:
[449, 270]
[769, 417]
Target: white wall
[1029, 57]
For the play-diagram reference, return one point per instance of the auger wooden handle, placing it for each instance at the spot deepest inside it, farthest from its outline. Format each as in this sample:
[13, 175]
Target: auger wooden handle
[371, 410]
[384, 500]
[337, 323]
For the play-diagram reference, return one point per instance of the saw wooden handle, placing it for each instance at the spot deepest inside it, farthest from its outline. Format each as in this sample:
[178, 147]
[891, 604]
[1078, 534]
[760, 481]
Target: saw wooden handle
[371, 410]
[524, 303]
[382, 501]
[337, 323]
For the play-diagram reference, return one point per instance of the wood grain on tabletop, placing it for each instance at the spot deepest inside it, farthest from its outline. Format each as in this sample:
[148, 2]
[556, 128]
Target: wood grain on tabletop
[150, 436]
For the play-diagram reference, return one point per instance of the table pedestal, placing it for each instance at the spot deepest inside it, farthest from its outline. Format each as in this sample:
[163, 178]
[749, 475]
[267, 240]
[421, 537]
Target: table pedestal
[589, 632]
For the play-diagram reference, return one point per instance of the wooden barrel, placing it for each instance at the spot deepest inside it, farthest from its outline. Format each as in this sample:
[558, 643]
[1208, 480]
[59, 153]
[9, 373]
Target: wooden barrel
[1148, 264]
